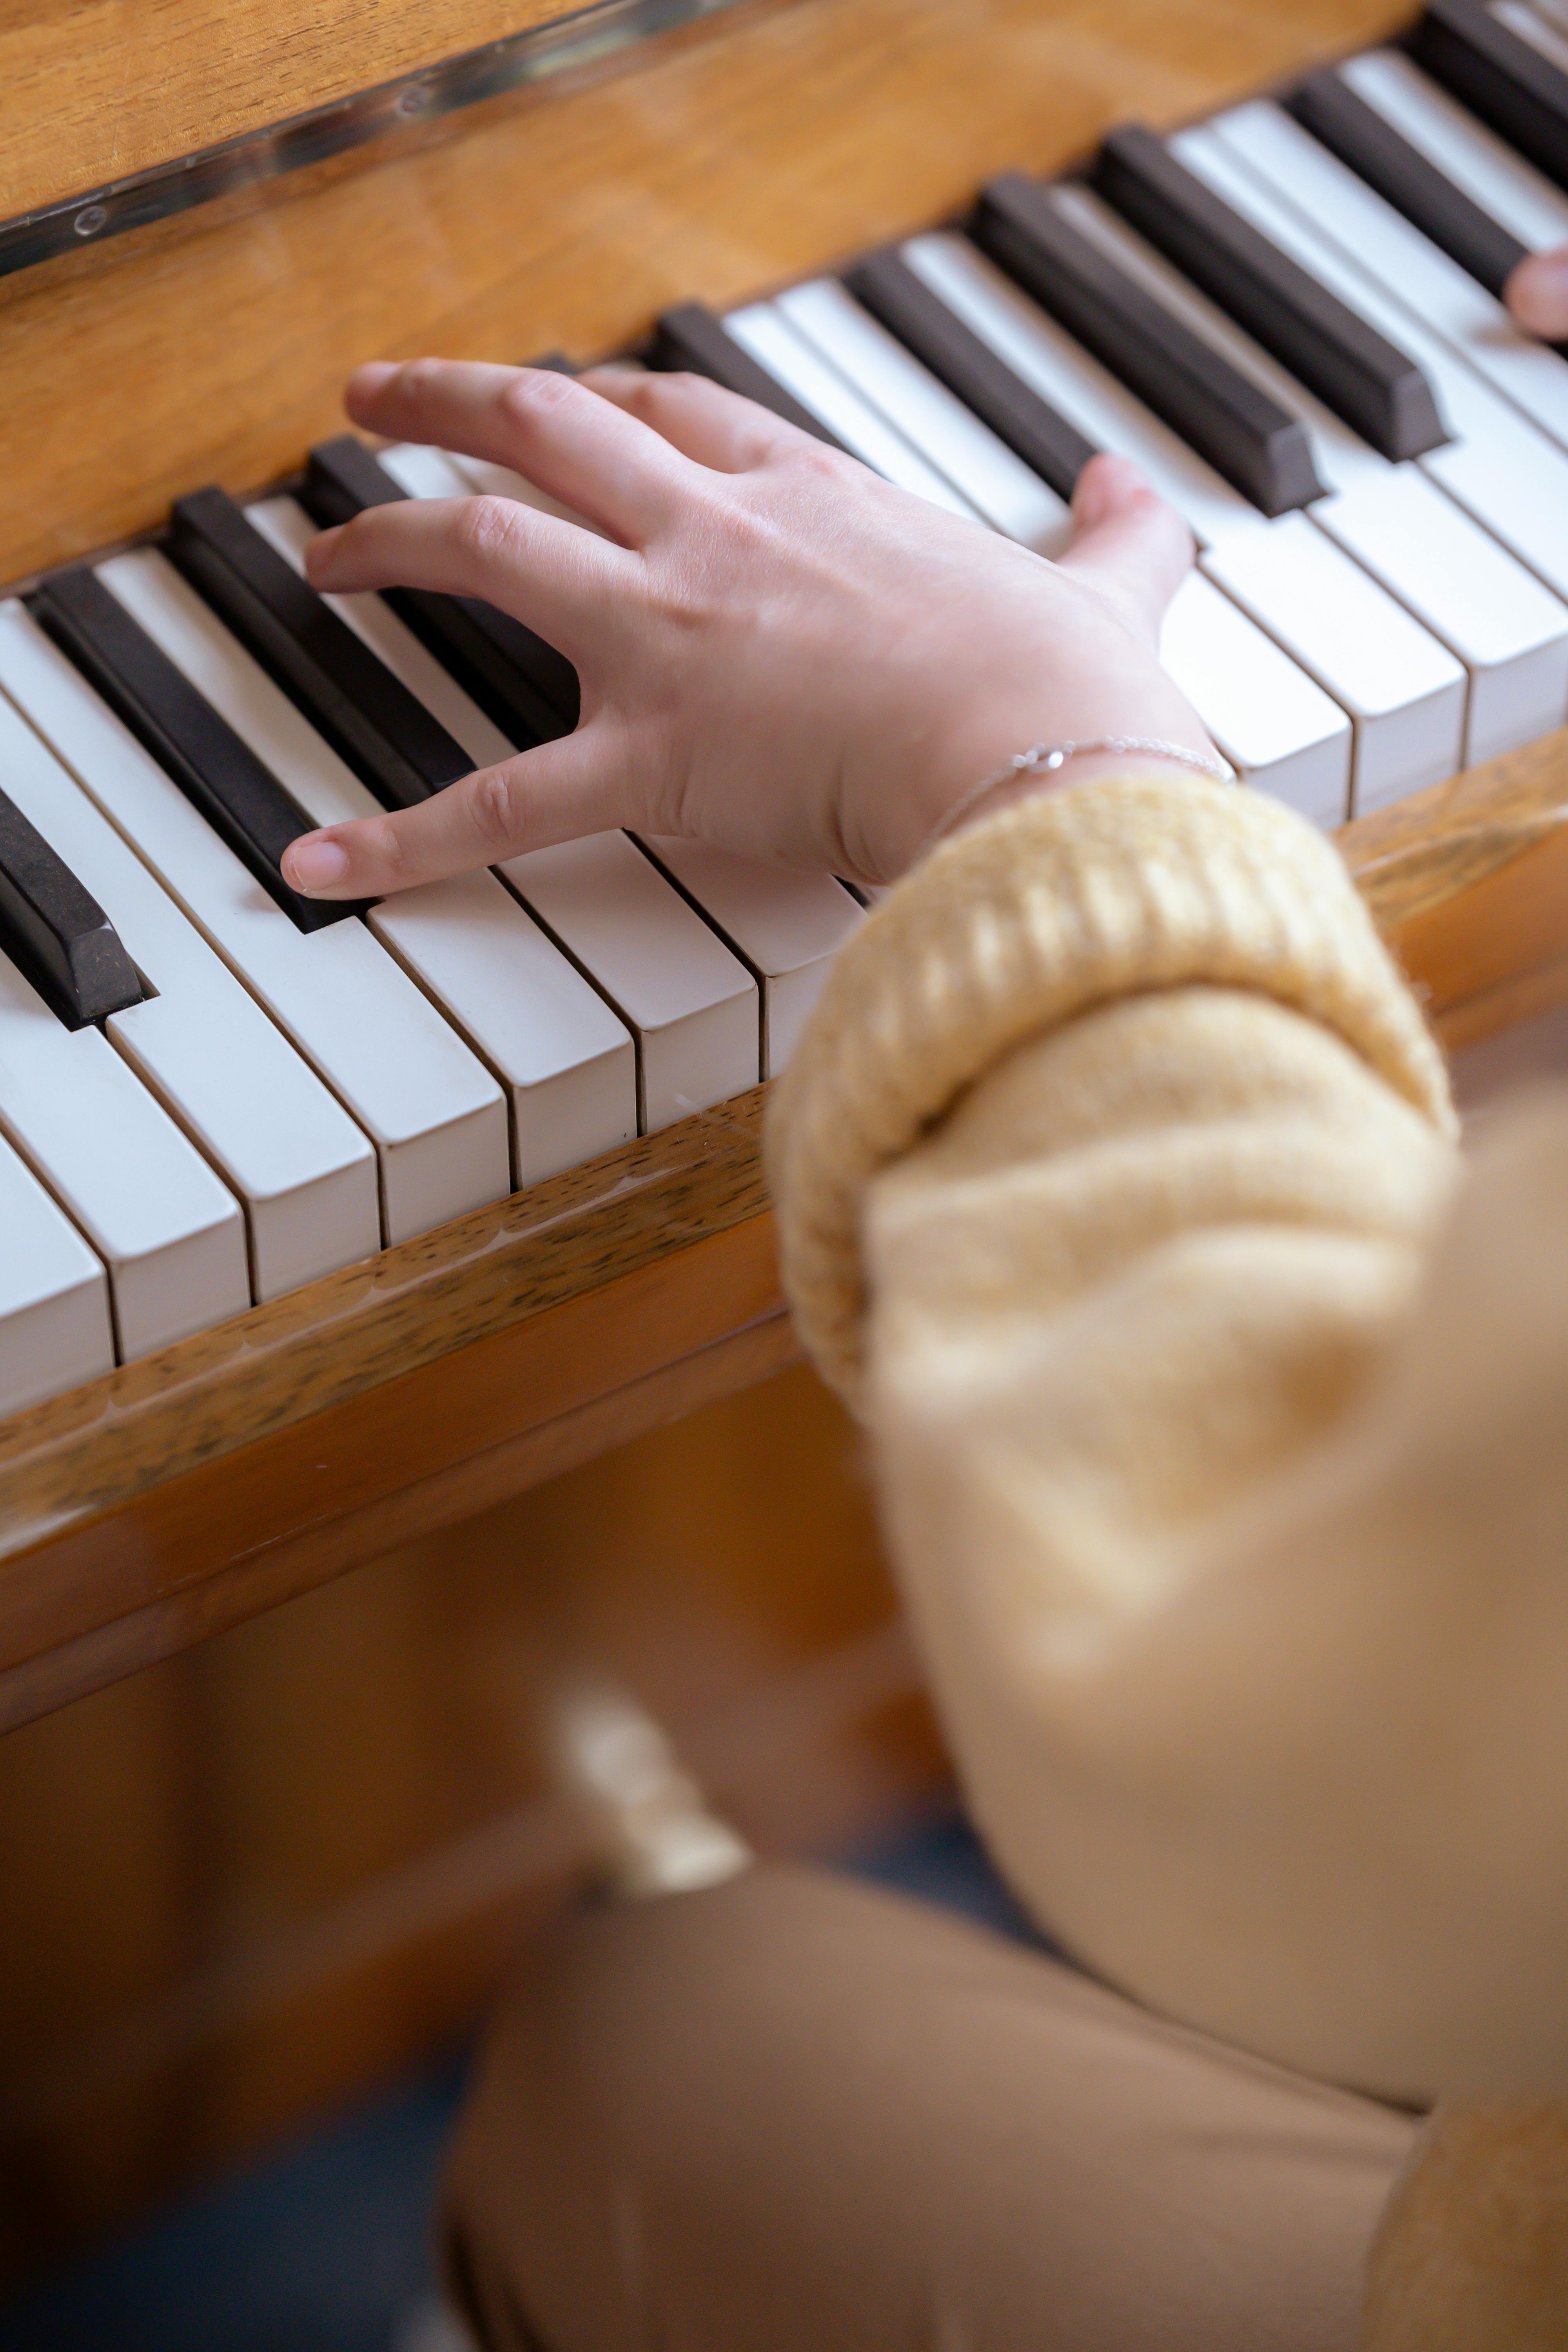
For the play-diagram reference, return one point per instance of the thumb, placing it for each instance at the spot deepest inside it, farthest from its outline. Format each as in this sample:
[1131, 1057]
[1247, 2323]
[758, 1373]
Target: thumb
[1127, 542]
[556, 792]
[1537, 294]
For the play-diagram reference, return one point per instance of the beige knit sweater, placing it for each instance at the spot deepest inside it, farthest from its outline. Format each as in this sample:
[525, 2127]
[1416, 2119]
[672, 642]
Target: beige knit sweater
[1219, 1427]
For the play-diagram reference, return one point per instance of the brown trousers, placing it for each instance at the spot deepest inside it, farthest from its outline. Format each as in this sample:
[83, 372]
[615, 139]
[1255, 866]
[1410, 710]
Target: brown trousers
[794, 2113]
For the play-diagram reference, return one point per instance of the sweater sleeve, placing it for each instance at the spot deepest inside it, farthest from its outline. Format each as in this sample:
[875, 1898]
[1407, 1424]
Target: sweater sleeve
[1115, 1179]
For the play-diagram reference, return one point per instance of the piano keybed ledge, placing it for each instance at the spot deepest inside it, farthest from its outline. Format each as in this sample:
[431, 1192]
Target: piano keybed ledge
[264, 1163]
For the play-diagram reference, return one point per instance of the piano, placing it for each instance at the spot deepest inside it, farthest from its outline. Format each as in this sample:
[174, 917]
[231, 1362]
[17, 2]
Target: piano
[324, 1227]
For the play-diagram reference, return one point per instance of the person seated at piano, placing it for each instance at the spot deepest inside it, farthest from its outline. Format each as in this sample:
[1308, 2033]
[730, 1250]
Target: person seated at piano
[1217, 1422]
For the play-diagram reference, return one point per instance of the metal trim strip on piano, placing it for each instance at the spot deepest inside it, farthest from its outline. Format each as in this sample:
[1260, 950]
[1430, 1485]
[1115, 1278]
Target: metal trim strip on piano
[588, 37]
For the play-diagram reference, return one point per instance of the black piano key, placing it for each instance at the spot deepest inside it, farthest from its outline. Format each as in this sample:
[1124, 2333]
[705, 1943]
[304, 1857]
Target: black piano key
[522, 685]
[54, 928]
[1366, 380]
[1504, 79]
[887, 287]
[384, 732]
[1244, 434]
[1359, 136]
[691, 339]
[242, 801]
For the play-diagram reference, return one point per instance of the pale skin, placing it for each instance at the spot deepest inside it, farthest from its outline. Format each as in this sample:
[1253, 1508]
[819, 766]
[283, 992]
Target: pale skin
[779, 652]
[1537, 294]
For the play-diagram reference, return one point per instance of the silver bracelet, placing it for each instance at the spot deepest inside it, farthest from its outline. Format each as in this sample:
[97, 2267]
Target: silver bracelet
[1049, 757]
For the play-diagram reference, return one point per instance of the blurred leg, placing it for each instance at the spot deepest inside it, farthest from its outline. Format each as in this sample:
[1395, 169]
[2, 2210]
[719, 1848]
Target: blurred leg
[1472, 2253]
[792, 2114]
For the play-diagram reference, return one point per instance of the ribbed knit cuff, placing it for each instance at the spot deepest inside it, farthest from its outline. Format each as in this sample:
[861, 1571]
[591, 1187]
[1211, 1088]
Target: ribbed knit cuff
[1062, 902]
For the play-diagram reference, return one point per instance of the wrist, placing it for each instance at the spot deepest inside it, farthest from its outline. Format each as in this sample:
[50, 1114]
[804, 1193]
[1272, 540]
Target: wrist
[1044, 767]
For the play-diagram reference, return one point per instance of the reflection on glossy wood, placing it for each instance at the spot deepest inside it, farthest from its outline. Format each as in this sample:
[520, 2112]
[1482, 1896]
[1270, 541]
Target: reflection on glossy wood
[721, 161]
[92, 93]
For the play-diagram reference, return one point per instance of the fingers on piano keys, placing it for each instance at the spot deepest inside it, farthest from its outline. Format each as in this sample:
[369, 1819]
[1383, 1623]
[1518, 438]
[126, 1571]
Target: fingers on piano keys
[212, 1090]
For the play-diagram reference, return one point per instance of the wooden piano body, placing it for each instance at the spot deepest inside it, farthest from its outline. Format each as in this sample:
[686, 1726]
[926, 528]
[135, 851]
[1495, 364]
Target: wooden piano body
[193, 1489]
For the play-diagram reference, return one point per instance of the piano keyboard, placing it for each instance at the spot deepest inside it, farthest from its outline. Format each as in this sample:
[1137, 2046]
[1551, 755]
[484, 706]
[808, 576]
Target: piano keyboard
[213, 1092]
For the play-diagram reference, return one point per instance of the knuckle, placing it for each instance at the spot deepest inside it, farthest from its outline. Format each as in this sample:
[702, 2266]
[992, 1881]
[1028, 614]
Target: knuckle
[813, 461]
[487, 528]
[386, 847]
[495, 808]
[536, 392]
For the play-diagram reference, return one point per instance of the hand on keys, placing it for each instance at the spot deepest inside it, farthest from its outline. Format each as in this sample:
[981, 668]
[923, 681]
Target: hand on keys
[779, 653]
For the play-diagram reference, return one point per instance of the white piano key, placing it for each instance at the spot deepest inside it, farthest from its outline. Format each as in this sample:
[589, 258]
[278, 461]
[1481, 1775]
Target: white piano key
[1484, 167]
[1265, 714]
[692, 1005]
[304, 1172]
[1500, 466]
[286, 527]
[1282, 733]
[1003, 491]
[55, 1328]
[1404, 693]
[495, 481]
[170, 1234]
[787, 926]
[1510, 632]
[764, 331]
[1427, 285]
[423, 472]
[434, 1113]
[567, 1064]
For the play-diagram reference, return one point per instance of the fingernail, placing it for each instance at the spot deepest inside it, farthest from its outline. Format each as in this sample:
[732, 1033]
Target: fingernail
[314, 864]
[371, 377]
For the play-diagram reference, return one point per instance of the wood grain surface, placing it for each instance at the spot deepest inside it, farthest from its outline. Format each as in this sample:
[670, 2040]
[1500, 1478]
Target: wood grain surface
[96, 89]
[715, 161]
